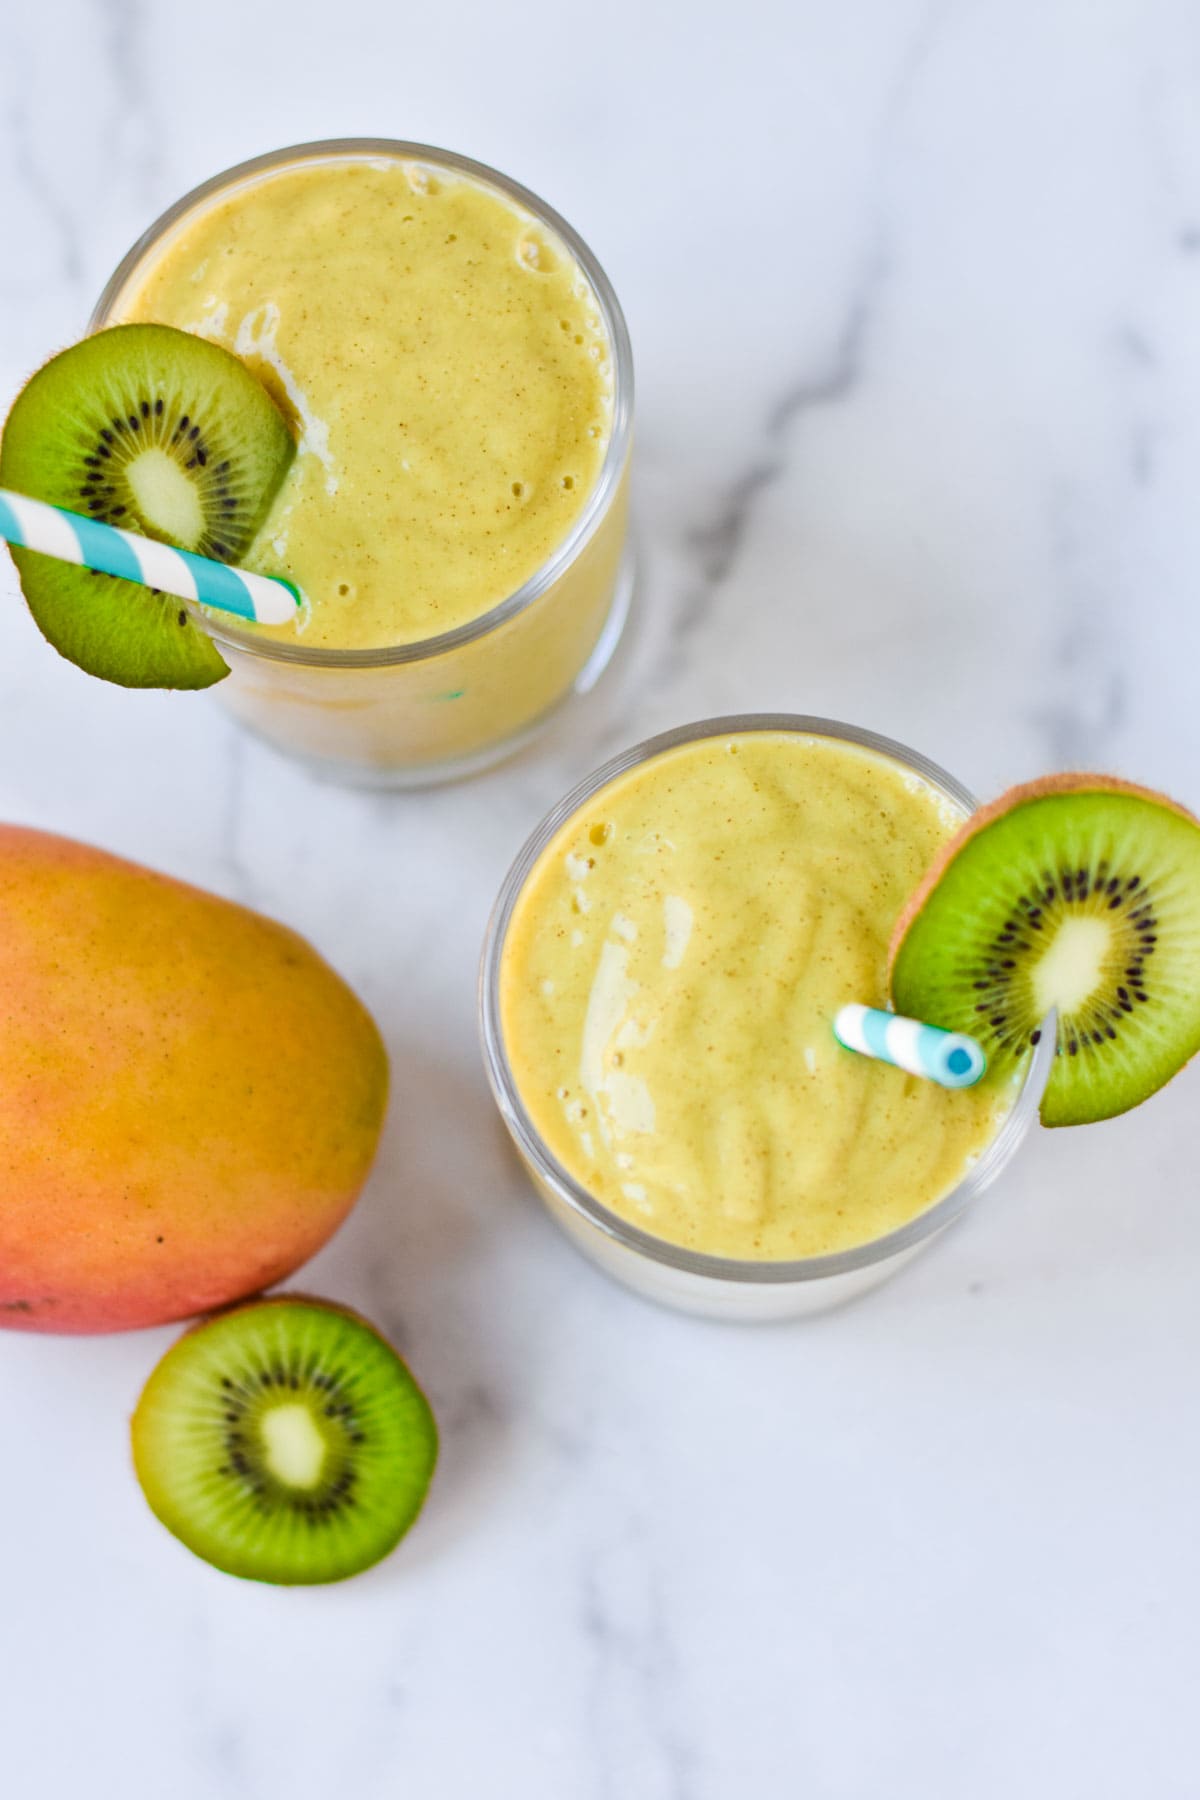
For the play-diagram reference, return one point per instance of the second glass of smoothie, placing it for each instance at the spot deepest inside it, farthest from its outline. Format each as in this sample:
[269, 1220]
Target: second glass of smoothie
[458, 375]
[658, 990]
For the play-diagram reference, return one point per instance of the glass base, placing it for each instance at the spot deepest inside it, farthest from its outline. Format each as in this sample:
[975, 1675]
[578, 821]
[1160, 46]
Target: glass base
[380, 778]
[707, 1296]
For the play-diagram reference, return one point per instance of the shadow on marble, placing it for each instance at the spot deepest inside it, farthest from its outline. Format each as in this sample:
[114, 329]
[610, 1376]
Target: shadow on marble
[427, 1257]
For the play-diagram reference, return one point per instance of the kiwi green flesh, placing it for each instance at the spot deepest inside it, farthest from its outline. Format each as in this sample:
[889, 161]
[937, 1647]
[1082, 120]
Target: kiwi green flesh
[285, 1442]
[130, 635]
[159, 432]
[1088, 902]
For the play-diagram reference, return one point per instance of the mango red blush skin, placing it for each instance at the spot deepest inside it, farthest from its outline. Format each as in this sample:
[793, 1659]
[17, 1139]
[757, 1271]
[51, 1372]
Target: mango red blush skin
[191, 1097]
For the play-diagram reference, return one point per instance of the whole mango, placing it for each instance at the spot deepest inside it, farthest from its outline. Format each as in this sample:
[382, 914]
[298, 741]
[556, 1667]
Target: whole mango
[190, 1098]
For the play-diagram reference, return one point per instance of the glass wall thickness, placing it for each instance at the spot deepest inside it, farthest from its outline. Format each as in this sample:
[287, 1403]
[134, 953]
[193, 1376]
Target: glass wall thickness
[716, 1286]
[429, 710]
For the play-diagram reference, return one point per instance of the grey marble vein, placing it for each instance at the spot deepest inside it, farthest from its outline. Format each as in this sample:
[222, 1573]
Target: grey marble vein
[1079, 722]
[716, 545]
[137, 128]
[1088, 698]
[638, 1745]
[1139, 359]
[233, 814]
[712, 548]
[27, 165]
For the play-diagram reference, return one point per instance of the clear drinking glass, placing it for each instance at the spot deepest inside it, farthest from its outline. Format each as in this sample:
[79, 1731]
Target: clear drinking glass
[718, 1286]
[410, 714]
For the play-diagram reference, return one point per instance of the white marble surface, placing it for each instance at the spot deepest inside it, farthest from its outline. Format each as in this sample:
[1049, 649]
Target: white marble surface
[915, 294]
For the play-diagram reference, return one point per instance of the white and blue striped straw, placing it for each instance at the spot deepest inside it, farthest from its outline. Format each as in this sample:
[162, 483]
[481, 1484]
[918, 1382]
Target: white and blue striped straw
[54, 531]
[950, 1058]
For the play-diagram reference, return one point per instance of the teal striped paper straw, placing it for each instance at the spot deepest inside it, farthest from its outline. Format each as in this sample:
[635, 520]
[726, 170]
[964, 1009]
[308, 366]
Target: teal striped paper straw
[37, 525]
[950, 1058]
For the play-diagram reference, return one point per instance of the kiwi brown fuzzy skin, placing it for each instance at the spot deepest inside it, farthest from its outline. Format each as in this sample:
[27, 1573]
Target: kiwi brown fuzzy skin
[1065, 783]
[291, 1297]
[1069, 782]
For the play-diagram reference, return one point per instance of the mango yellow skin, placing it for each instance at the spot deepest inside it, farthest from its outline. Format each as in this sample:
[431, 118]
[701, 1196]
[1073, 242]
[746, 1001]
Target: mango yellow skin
[190, 1098]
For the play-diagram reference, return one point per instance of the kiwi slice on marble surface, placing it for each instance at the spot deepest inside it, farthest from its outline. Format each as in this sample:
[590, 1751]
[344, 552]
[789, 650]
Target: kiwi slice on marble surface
[285, 1441]
[159, 432]
[1079, 893]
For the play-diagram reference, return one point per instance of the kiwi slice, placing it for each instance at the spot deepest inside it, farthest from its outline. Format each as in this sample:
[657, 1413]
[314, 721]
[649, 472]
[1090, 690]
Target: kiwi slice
[159, 432]
[285, 1441]
[1080, 893]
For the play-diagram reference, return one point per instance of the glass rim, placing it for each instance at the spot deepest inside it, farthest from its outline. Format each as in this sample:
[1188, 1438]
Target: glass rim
[677, 1257]
[607, 483]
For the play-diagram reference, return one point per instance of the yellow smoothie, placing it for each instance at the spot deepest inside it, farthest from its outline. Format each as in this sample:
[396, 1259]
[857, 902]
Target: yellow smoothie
[668, 981]
[447, 370]
[459, 390]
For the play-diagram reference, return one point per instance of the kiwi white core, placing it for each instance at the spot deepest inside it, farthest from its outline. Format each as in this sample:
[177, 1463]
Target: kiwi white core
[1073, 967]
[295, 1449]
[168, 502]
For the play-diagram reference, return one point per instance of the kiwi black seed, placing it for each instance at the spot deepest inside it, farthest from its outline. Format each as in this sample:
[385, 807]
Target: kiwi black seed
[285, 1441]
[1079, 893]
[159, 432]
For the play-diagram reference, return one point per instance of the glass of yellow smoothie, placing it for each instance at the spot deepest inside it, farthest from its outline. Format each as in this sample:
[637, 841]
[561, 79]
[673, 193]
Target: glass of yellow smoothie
[658, 986]
[458, 374]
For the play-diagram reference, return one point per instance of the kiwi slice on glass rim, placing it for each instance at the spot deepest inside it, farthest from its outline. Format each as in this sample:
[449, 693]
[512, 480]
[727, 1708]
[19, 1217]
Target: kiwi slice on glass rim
[285, 1441]
[1079, 893]
[159, 432]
